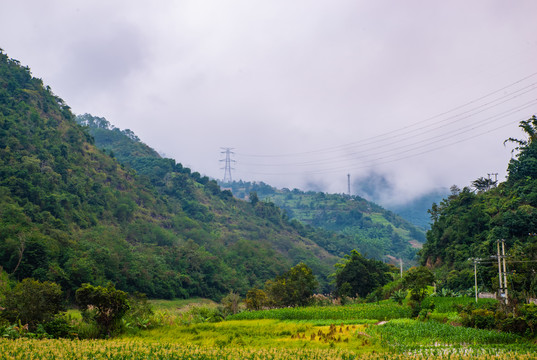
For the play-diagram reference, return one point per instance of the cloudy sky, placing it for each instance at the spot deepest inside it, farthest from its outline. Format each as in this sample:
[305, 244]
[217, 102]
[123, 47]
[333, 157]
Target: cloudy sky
[422, 93]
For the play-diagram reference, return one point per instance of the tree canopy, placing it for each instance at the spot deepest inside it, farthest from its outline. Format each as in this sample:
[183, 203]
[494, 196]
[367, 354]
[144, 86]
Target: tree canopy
[359, 276]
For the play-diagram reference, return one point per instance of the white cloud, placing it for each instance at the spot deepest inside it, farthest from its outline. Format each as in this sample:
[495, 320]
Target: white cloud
[284, 77]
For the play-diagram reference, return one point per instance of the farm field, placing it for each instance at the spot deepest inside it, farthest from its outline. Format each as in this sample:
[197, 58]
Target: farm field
[269, 339]
[332, 332]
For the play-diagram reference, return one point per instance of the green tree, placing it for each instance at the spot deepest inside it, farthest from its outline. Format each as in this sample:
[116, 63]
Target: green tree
[33, 302]
[482, 184]
[293, 288]
[256, 299]
[109, 304]
[417, 279]
[360, 276]
[525, 164]
[254, 199]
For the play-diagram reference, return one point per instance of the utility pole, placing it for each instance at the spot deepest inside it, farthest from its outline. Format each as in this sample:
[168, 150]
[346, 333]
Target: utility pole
[475, 279]
[227, 167]
[349, 184]
[401, 266]
[476, 261]
[500, 290]
[502, 275]
[504, 271]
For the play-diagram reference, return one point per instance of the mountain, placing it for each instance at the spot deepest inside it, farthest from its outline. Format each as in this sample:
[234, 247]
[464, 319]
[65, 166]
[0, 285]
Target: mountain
[416, 210]
[379, 189]
[73, 213]
[470, 223]
[367, 227]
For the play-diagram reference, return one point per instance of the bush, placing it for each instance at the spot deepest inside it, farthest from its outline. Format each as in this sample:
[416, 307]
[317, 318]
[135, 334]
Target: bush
[523, 322]
[398, 296]
[201, 314]
[59, 327]
[140, 314]
[479, 319]
[32, 302]
[231, 303]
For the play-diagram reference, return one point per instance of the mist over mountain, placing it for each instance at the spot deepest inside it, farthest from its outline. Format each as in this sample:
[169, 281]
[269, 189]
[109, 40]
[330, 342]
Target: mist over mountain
[382, 190]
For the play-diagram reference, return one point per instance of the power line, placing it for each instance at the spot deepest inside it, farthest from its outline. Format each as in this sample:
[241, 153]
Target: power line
[526, 89]
[412, 140]
[387, 159]
[417, 143]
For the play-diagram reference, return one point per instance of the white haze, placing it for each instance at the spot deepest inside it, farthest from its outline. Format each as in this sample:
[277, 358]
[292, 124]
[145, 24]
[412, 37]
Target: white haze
[421, 92]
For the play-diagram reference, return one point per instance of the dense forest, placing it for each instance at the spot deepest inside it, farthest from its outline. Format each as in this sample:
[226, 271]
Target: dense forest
[368, 228]
[470, 222]
[73, 213]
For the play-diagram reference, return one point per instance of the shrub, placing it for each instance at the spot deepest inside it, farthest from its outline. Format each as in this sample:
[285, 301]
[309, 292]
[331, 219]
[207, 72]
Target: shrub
[231, 303]
[398, 296]
[140, 314]
[33, 302]
[201, 314]
[59, 327]
[479, 318]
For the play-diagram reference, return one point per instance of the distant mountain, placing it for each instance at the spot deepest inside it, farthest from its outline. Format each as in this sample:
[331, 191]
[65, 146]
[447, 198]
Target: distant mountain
[369, 228]
[377, 188]
[91, 203]
[416, 210]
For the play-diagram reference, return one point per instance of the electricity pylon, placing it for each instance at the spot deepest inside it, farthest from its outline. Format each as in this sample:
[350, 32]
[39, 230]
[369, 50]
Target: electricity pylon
[227, 167]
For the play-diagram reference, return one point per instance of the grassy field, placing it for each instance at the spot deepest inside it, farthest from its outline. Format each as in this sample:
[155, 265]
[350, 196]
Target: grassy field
[342, 332]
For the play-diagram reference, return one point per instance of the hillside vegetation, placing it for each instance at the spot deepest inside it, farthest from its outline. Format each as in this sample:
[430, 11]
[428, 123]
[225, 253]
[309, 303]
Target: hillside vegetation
[367, 227]
[470, 222]
[72, 213]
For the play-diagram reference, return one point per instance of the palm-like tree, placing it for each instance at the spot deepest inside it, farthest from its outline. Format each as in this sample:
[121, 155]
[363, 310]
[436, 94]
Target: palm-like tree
[530, 128]
[483, 184]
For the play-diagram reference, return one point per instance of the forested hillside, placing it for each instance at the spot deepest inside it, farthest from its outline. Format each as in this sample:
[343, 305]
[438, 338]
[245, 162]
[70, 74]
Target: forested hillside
[469, 223]
[367, 227]
[72, 214]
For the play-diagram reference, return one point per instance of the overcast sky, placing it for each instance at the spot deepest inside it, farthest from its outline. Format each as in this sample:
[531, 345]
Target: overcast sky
[421, 92]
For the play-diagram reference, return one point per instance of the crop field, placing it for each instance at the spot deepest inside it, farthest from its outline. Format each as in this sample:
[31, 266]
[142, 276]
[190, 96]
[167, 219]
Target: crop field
[31, 349]
[382, 311]
[299, 333]
[412, 334]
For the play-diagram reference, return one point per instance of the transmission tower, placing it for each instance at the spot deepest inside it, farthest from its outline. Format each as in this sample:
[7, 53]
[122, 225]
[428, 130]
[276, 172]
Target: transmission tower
[349, 184]
[227, 167]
